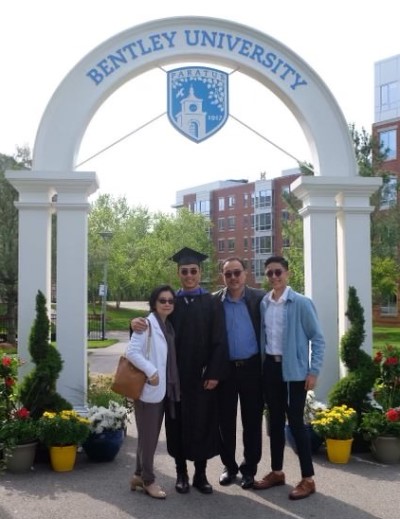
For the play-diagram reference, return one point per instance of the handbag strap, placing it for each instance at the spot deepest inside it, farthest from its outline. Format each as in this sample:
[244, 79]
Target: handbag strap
[148, 339]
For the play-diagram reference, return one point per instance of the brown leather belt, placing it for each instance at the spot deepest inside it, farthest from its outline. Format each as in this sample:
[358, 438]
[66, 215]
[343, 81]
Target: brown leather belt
[274, 358]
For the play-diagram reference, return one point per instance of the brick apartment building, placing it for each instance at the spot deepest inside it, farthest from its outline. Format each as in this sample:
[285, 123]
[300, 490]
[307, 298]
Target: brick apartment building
[246, 216]
[386, 128]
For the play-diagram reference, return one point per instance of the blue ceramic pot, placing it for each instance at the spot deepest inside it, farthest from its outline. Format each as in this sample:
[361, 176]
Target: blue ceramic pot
[104, 446]
[315, 440]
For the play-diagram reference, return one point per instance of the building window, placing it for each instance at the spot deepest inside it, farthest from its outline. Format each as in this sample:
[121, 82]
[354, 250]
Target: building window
[221, 224]
[263, 222]
[231, 222]
[259, 270]
[231, 200]
[252, 221]
[204, 207]
[285, 215]
[264, 198]
[389, 95]
[252, 199]
[245, 244]
[221, 204]
[245, 200]
[264, 244]
[389, 193]
[388, 141]
[221, 245]
[231, 244]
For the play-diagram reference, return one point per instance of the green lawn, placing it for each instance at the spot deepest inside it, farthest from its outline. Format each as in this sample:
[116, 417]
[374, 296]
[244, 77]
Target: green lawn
[385, 335]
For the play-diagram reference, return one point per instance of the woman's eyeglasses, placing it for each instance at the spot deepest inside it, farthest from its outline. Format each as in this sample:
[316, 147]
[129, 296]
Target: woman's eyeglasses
[186, 272]
[278, 273]
[232, 273]
[164, 301]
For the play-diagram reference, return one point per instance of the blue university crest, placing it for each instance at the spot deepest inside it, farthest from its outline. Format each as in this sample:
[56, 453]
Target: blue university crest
[197, 101]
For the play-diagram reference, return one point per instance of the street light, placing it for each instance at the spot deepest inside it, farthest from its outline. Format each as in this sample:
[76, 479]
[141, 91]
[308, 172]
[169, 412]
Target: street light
[106, 235]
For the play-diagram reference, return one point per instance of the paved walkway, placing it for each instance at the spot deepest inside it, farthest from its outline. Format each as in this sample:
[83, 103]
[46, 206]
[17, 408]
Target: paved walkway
[361, 489]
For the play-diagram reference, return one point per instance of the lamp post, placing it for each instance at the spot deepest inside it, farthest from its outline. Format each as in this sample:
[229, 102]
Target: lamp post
[106, 235]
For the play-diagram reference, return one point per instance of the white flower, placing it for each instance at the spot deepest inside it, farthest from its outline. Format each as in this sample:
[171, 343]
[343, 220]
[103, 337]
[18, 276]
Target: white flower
[312, 407]
[111, 419]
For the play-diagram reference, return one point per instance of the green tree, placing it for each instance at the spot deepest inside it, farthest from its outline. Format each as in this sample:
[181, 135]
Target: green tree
[169, 234]
[9, 235]
[128, 227]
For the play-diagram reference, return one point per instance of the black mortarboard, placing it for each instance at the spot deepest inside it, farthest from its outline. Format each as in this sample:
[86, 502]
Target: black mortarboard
[188, 256]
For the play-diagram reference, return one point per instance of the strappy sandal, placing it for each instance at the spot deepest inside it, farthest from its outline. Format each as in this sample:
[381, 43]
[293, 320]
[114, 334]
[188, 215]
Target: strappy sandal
[136, 482]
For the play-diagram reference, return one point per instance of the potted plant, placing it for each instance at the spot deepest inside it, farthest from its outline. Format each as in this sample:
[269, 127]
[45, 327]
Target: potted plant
[18, 437]
[107, 428]
[18, 434]
[382, 429]
[387, 387]
[62, 432]
[312, 406]
[337, 425]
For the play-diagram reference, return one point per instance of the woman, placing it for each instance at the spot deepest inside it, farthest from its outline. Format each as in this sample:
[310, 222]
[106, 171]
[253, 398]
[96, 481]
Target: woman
[149, 409]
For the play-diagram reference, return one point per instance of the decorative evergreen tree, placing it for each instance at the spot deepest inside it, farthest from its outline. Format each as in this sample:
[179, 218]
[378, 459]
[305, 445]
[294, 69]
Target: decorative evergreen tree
[38, 389]
[353, 389]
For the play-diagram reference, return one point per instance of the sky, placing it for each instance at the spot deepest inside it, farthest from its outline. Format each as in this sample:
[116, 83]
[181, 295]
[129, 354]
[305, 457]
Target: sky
[42, 41]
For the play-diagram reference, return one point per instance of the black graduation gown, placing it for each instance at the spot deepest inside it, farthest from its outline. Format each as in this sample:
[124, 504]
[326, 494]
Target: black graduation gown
[202, 354]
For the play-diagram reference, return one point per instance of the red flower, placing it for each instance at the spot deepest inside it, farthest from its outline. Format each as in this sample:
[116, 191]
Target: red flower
[6, 361]
[378, 357]
[393, 415]
[391, 361]
[9, 381]
[22, 413]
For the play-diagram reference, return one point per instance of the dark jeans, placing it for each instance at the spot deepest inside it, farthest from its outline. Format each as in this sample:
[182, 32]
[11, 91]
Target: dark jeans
[286, 399]
[244, 383]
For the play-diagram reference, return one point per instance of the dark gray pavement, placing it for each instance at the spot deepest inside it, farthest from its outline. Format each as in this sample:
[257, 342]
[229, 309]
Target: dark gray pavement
[361, 489]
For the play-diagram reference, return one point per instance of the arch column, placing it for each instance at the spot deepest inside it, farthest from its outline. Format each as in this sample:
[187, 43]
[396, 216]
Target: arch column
[337, 255]
[320, 266]
[72, 207]
[354, 248]
[34, 242]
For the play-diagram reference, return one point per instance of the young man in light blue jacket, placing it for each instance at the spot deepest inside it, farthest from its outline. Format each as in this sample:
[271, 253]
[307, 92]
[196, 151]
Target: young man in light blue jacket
[293, 344]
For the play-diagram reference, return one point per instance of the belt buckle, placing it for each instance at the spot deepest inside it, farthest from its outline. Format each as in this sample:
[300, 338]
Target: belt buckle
[239, 363]
[277, 358]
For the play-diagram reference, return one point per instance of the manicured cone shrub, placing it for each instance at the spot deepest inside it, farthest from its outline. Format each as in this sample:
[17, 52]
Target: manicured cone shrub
[38, 389]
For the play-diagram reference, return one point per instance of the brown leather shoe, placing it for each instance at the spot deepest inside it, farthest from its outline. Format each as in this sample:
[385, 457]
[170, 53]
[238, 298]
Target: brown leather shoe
[304, 489]
[269, 480]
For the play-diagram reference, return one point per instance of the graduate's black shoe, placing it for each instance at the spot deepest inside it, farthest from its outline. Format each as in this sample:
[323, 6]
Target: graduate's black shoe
[227, 478]
[182, 483]
[200, 482]
[247, 482]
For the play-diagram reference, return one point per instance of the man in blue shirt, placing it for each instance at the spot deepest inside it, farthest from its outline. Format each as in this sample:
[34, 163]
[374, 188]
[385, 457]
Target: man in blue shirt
[244, 381]
[294, 345]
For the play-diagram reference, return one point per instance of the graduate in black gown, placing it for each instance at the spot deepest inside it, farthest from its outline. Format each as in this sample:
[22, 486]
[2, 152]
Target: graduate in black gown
[202, 358]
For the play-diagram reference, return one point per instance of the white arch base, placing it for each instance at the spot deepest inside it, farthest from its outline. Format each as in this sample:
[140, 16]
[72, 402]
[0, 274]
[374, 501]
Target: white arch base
[335, 208]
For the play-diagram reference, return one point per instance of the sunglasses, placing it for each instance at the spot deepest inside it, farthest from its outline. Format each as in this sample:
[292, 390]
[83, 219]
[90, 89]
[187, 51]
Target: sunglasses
[186, 272]
[232, 273]
[164, 301]
[278, 273]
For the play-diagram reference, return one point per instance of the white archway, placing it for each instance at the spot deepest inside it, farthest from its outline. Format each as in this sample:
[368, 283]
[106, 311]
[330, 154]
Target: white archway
[335, 201]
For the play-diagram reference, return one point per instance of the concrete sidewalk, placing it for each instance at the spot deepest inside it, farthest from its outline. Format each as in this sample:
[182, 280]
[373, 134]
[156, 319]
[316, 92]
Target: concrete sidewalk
[361, 489]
